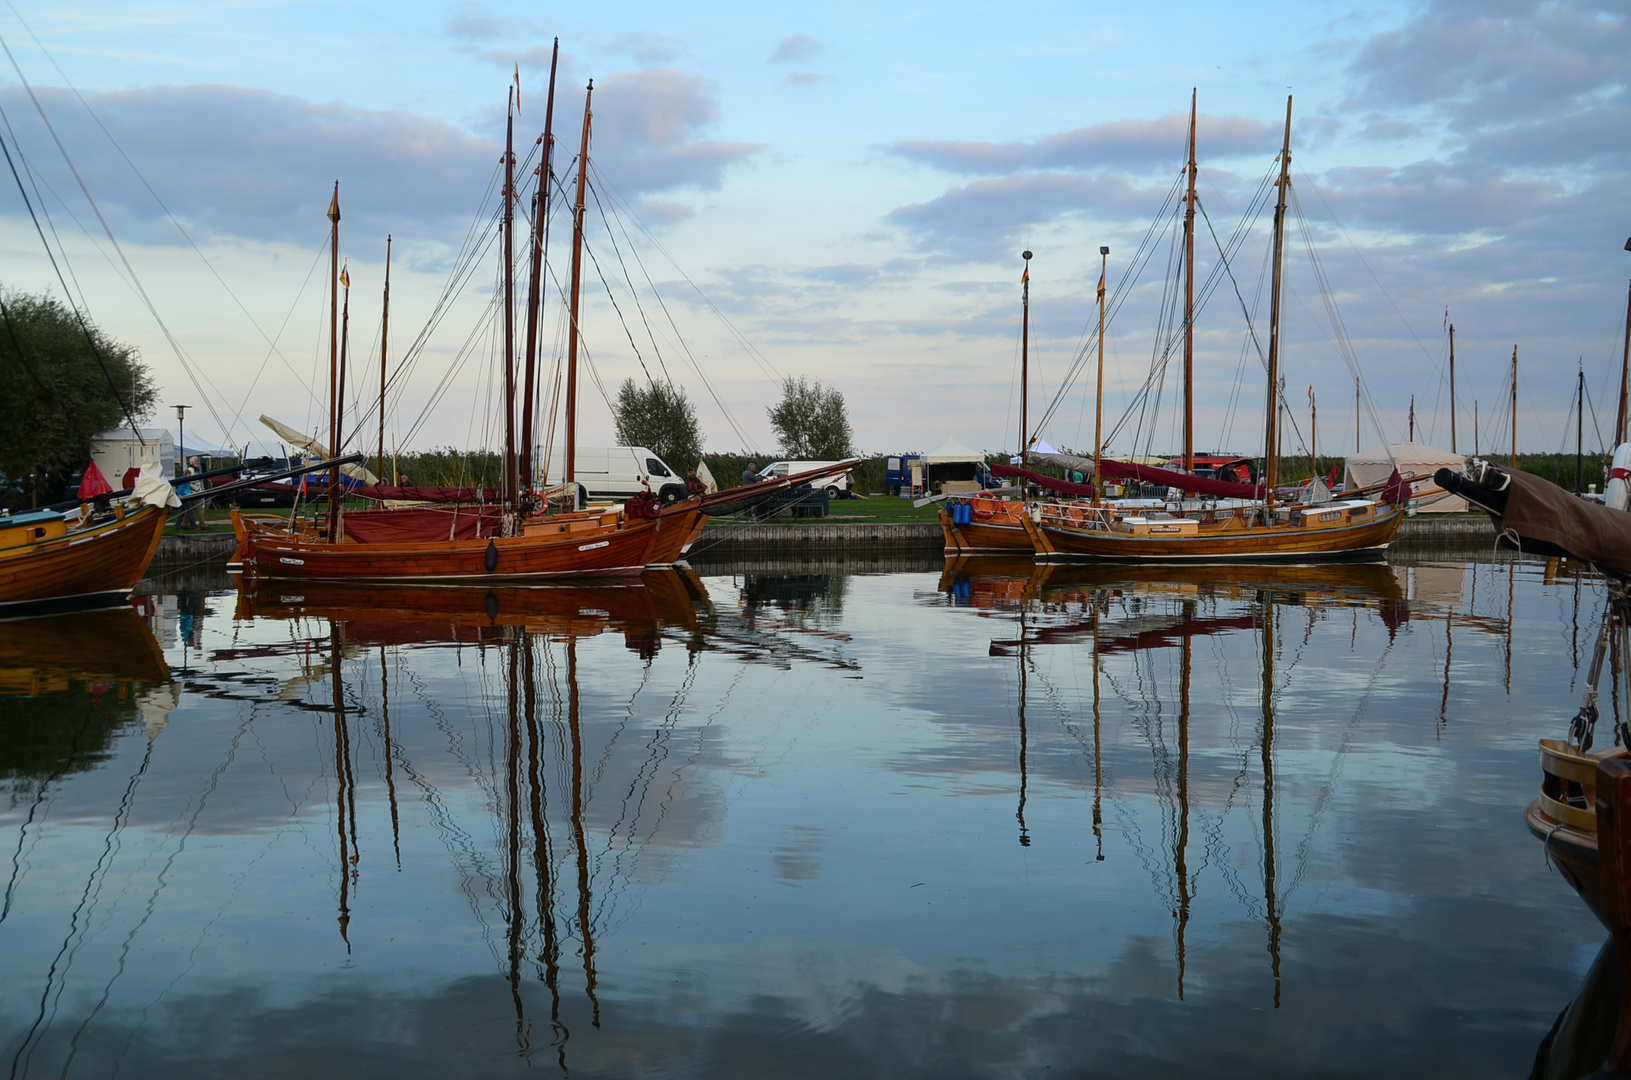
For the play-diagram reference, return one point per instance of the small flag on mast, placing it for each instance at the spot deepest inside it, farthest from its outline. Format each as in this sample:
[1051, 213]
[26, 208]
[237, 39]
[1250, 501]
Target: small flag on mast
[517, 87]
[1100, 294]
[345, 274]
[1025, 278]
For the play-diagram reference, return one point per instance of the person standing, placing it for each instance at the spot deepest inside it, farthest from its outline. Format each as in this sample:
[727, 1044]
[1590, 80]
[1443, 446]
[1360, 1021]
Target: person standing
[190, 516]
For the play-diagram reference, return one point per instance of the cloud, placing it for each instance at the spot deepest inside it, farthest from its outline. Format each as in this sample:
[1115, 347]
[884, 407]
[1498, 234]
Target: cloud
[477, 27]
[231, 161]
[796, 47]
[805, 78]
[1124, 144]
[645, 130]
[660, 212]
[975, 220]
[646, 48]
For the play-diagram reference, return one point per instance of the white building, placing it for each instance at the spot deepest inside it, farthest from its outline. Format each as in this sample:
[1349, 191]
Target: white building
[117, 451]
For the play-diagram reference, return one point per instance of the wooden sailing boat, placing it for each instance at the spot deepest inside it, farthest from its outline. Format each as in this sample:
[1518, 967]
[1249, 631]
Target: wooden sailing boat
[560, 545]
[1238, 531]
[988, 524]
[521, 541]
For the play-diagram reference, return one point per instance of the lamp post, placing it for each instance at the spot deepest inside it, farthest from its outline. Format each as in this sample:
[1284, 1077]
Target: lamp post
[181, 439]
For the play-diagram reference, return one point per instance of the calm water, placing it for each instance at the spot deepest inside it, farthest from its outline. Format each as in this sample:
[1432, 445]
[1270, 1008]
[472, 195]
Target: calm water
[1237, 823]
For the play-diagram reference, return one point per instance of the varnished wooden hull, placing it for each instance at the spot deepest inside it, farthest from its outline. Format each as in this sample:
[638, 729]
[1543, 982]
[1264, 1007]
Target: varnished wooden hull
[86, 567]
[1359, 541]
[47, 652]
[623, 549]
[985, 538]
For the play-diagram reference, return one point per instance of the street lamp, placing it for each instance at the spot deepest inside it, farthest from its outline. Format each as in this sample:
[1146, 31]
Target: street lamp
[181, 439]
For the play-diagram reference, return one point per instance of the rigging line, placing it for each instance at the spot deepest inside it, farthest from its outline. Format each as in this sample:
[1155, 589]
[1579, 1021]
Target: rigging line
[634, 250]
[624, 322]
[469, 255]
[50, 392]
[272, 342]
[1309, 180]
[174, 344]
[1118, 297]
[89, 337]
[747, 345]
[35, 180]
[238, 415]
[612, 236]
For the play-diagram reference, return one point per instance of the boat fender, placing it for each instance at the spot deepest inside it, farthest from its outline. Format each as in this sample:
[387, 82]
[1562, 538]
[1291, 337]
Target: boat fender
[492, 556]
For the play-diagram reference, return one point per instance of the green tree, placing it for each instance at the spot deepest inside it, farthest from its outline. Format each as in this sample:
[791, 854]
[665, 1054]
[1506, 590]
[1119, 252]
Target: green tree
[658, 417]
[811, 422]
[55, 398]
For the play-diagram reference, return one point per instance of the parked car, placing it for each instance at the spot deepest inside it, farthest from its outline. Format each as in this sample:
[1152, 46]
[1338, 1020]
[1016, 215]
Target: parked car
[838, 486]
[617, 472]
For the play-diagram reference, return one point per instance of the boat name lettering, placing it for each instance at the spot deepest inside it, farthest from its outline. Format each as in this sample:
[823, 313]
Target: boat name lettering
[291, 599]
[292, 562]
[591, 547]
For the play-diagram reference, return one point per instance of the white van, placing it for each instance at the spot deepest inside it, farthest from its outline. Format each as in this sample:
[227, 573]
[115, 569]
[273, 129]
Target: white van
[837, 486]
[617, 472]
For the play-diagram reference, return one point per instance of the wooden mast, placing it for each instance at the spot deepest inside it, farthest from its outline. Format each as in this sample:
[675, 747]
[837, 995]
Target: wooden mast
[1025, 363]
[1313, 433]
[1098, 405]
[1514, 406]
[333, 355]
[540, 214]
[570, 470]
[384, 340]
[1452, 388]
[509, 300]
[1271, 441]
[1625, 369]
[1189, 300]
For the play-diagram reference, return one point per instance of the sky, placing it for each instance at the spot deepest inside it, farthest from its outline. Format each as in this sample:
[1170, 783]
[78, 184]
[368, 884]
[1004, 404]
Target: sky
[843, 193]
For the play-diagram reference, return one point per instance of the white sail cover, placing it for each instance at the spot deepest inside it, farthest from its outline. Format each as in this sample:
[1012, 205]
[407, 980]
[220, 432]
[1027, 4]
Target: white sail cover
[152, 488]
[311, 445]
[1416, 463]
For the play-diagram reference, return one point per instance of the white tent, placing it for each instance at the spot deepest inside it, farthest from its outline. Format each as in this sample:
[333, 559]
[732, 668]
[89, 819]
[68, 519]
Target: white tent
[952, 451]
[1416, 463]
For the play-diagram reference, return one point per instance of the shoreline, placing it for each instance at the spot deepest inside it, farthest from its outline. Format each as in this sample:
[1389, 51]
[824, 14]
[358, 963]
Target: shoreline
[824, 540]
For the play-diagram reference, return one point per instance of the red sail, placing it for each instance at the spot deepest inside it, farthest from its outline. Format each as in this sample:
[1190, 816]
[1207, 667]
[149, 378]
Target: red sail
[1116, 470]
[422, 525]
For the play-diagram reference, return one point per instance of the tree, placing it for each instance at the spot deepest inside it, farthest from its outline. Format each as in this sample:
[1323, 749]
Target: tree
[658, 417]
[56, 396]
[811, 422]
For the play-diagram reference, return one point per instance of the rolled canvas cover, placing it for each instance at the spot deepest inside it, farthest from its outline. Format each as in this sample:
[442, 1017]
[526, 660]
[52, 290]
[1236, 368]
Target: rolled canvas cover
[1416, 463]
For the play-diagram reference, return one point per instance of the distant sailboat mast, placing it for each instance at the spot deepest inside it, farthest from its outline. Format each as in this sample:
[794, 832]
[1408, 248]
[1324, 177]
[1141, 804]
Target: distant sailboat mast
[1271, 439]
[1189, 300]
[540, 215]
[333, 356]
[570, 470]
[1025, 364]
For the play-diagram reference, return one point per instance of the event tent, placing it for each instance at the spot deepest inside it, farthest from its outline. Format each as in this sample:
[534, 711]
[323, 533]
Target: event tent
[1415, 463]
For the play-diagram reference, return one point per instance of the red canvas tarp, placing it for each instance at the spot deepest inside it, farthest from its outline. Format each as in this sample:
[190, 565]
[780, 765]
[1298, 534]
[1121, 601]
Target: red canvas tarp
[409, 493]
[422, 524]
[1201, 485]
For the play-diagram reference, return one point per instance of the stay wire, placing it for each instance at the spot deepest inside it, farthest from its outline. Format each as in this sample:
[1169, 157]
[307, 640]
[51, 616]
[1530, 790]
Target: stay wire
[90, 338]
[175, 345]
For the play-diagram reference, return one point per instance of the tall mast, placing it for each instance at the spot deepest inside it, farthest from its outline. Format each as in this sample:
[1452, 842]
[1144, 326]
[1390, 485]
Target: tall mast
[1514, 406]
[1025, 362]
[1313, 433]
[540, 213]
[1580, 427]
[1452, 388]
[1271, 441]
[1625, 369]
[1356, 414]
[384, 339]
[1098, 406]
[570, 472]
[333, 354]
[509, 299]
[1189, 301]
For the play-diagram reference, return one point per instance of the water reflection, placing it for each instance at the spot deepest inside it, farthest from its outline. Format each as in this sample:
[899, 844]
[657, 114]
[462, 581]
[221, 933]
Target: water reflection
[986, 820]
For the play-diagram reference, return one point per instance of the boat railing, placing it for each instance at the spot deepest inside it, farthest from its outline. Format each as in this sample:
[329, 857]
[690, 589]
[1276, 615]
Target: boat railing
[1077, 516]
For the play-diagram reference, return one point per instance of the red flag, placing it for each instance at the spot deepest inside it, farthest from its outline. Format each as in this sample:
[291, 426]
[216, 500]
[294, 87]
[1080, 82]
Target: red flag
[94, 483]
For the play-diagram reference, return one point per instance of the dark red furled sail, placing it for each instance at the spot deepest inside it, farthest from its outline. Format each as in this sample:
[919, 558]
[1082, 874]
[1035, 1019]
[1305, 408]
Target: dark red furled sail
[1118, 470]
